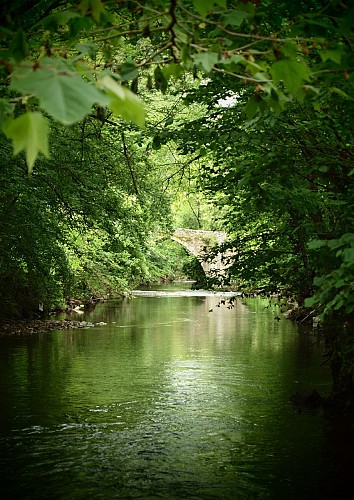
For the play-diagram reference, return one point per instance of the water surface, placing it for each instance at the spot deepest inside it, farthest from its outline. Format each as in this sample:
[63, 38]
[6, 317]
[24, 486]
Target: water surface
[176, 396]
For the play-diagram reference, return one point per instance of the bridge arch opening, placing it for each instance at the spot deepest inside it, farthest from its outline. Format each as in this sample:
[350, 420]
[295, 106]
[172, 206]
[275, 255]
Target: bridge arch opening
[198, 243]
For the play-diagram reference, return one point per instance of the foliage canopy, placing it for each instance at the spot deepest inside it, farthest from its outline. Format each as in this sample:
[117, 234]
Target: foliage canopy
[62, 58]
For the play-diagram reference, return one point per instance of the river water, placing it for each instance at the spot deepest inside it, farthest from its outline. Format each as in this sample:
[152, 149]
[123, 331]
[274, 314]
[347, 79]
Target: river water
[174, 397]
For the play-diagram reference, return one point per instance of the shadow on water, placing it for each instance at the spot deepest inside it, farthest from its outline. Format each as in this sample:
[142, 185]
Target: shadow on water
[169, 400]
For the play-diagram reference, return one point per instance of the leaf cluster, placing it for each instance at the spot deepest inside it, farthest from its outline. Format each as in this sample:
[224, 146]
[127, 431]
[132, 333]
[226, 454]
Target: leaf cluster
[77, 55]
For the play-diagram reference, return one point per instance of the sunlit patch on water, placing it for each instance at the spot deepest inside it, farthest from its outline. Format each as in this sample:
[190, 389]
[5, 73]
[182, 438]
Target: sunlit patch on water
[183, 293]
[168, 400]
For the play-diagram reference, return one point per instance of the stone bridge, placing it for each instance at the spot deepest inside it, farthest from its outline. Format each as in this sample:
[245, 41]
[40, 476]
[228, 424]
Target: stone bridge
[199, 243]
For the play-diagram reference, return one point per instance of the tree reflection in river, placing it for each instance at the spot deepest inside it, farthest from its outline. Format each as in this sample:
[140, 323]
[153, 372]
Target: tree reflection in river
[166, 400]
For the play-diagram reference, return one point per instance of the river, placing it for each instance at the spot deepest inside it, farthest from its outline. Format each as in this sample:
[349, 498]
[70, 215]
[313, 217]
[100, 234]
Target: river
[175, 396]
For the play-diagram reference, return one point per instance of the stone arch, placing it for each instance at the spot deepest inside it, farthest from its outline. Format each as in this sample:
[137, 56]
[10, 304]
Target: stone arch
[199, 242]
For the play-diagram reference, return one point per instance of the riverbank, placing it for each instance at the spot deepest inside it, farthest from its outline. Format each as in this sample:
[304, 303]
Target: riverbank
[29, 327]
[41, 325]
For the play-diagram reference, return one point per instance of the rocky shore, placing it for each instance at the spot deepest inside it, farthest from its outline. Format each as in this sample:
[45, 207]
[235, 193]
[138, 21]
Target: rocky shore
[28, 327]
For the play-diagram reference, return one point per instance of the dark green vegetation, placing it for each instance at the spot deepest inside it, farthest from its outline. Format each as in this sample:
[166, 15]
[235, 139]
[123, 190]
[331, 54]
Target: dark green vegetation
[80, 225]
[273, 165]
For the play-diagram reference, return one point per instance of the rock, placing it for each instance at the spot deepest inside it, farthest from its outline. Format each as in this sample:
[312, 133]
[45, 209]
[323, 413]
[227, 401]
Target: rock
[307, 397]
[77, 310]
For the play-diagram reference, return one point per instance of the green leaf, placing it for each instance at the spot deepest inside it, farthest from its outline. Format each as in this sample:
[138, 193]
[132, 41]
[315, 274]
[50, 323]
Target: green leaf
[6, 110]
[28, 132]
[256, 70]
[156, 143]
[347, 21]
[323, 168]
[123, 102]
[87, 49]
[236, 18]
[247, 6]
[77, 24]
[339, 284]
[309, 302]
[203, 7]
[96, 7]
[19, 46]
[338, 304]
[348, 255]
[128, 71]
[172, 70]
[292, 73]
[62, 93]
[333, 54]
[160, 80]
[53, 21]
[207, 60]
[274, 103]
[289, 49]
[340, 92]
[5, 33]
[314, 244]
[233, 60]
[348, 238]
[252, 107]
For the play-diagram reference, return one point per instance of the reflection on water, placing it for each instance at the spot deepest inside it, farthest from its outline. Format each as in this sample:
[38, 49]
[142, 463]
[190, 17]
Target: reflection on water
[168, 400]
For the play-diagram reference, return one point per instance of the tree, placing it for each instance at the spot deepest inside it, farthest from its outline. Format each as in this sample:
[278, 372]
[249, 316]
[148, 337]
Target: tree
[81, 224]
[74, 51]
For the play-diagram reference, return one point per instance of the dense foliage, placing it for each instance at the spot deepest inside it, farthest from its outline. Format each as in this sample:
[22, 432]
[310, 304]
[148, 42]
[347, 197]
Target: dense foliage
[81, 224]
[255, 114]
